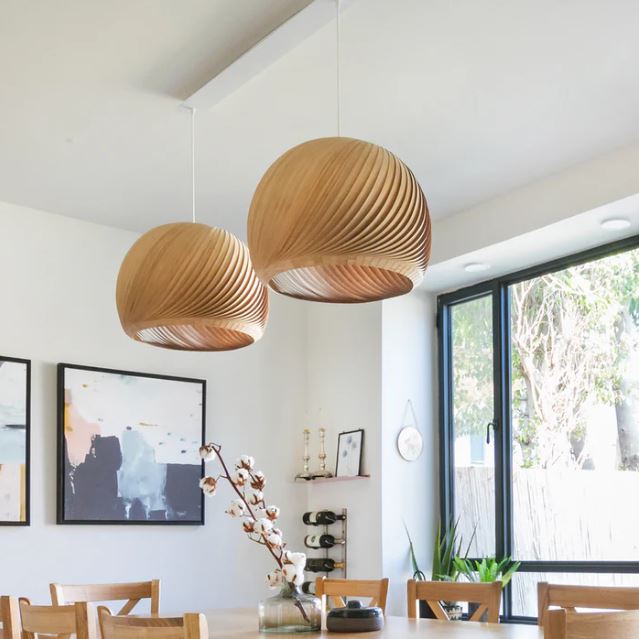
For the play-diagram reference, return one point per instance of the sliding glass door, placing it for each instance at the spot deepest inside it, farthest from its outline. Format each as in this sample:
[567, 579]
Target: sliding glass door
[550, 358]
[473, 411]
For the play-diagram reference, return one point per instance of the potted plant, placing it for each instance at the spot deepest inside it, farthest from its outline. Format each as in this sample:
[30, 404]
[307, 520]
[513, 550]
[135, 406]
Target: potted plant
[447, 547]
[486, 570]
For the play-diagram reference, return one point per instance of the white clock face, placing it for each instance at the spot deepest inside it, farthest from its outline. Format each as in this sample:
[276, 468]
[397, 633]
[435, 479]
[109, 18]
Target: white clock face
[410, 443]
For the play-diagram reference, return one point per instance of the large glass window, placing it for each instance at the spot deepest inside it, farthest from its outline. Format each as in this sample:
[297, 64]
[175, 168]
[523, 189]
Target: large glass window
[559, 489]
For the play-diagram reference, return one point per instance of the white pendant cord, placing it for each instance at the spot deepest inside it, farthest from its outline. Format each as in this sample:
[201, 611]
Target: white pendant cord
[338, 87]
[193, 164]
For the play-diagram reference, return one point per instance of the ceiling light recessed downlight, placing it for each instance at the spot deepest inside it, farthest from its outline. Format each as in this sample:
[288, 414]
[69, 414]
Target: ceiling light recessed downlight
[476, 267]
[615, 224]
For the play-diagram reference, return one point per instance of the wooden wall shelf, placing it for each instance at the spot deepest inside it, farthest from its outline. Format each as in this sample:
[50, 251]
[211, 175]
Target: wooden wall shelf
[327, 480]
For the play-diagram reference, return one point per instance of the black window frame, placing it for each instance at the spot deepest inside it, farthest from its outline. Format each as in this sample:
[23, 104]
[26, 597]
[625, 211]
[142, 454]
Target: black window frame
[498, 288]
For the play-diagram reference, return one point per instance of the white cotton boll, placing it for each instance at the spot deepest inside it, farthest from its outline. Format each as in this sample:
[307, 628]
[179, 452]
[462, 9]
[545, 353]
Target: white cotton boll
[208, 486]
[274, 579]
[272, 512]
[258, 481]
[298, 580]
[207, 452]
[236, 509]
[240, 477]
[289, 572]
[262, 525]
[297, 559]
[273, 539]
[245, 461]
[254, 497]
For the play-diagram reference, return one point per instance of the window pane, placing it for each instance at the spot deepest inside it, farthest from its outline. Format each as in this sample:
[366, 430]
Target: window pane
[575, 412]
[524, 586]
[472, 393]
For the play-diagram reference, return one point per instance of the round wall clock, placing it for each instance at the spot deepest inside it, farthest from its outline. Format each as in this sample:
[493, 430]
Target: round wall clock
[410, 443]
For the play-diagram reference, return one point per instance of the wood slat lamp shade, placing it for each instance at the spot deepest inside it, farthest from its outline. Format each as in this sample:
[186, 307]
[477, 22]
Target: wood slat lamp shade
[191, 287]
[339, 220]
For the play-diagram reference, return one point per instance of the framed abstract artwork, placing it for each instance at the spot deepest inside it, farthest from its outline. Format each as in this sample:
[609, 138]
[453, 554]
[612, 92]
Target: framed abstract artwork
[15, 418]
[350, 446]
[128, 447]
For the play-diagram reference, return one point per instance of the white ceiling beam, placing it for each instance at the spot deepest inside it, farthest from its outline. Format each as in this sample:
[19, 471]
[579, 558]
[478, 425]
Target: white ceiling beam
[266, 52]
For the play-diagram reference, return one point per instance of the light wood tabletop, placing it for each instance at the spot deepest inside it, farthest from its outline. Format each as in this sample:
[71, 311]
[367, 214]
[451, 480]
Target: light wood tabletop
[242, 624]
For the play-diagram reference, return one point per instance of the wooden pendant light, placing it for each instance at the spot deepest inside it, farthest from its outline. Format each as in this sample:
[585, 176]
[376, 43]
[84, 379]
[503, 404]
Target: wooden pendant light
[339, 220]
[191, 287]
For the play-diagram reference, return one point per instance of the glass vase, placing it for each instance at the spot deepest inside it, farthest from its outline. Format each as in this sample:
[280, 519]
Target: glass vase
[290, 611]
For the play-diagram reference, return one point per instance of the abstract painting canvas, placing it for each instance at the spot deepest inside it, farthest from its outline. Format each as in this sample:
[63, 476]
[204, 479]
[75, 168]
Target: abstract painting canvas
[15, 376]
[128, 447]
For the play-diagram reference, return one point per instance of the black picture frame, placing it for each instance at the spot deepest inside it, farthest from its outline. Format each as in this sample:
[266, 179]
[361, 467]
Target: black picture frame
[360, 432]
[27, 482]
[62, 519]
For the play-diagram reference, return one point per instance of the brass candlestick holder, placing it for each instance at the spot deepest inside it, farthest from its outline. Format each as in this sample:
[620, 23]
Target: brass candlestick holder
[322, 456]
[306, 473]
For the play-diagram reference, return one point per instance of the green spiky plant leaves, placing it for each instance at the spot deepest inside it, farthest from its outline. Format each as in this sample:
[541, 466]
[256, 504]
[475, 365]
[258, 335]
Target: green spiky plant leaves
[487, 570]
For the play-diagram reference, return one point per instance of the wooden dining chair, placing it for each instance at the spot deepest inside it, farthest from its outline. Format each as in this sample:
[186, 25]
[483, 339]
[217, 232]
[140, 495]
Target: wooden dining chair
[10, 617]
[486, 595]
[190, 626]
[132, 593]
[333, 591]
[573, 597]
[566, 624]
[57, 621]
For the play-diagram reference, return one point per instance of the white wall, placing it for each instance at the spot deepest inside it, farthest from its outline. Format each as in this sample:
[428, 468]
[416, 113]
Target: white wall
[344, 391]
[365, 362]
[409, 489]
[57, 277]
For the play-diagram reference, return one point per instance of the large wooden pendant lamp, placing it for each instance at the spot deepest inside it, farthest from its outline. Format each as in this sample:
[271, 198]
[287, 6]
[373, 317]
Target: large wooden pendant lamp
[339, 220]
[191, 287]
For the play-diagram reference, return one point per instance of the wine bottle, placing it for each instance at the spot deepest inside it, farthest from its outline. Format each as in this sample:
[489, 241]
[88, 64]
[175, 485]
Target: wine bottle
[324, 564]
[321, 541]
[308, 587]
[321, 518]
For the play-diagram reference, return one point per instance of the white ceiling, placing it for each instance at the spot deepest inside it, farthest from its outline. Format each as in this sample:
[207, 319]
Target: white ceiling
[477, 97]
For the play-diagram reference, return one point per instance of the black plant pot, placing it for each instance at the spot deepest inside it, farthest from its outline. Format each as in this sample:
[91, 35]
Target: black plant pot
[425, 611]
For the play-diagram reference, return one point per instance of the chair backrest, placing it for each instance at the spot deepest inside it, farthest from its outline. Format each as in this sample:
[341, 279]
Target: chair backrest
[486, 595]
[10, 617]
[336, 589]
[132, 593]
[572, 597]
[565, 624]
[56, 621]
[190, 626]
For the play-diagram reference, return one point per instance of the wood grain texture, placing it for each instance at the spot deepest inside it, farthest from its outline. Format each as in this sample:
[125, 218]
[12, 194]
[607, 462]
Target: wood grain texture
[189, 626]
[191, 287]
[132, 593]
[10, 618]
[572, 597]
[339, 220]
[564, 624]
[333, 591]
[242, 624]
[487, 595]
[57, 621]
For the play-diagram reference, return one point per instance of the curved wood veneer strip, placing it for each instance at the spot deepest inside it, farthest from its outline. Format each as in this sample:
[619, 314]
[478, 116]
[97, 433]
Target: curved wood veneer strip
[339, 220]
[191, 287]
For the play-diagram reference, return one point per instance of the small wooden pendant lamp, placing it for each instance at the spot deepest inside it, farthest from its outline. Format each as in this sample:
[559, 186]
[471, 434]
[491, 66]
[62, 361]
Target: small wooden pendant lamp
[191, 287]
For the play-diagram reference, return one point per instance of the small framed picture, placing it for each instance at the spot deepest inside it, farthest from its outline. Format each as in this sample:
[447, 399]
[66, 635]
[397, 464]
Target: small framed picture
[349, 453]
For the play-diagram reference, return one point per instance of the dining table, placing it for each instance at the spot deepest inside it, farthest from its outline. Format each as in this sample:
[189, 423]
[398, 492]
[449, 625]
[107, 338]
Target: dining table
[241, 623]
